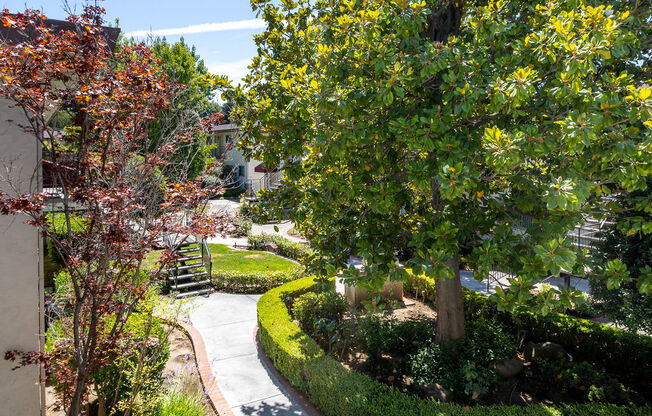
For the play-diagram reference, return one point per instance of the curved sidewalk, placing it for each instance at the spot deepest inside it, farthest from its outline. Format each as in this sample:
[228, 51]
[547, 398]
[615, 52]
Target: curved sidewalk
[226, 323]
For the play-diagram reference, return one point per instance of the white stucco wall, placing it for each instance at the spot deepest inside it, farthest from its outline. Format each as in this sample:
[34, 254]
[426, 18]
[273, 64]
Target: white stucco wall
[21, 270]
[234, 157]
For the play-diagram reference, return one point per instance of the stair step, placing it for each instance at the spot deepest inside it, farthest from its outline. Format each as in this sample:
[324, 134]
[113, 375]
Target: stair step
[188, 250]
[188, 276]
[187, 244]
[193, 293]
[193, 283]
[185, 267]
[189, 258]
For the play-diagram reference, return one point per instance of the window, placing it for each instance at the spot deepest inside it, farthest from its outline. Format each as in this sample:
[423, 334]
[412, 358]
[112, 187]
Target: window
[241, 171]
[229, 139]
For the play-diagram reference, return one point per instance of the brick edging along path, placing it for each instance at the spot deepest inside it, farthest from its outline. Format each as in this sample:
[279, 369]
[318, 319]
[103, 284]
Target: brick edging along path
[218, 402]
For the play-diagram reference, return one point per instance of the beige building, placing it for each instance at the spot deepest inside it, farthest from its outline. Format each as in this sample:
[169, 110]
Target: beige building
[245, 173]
[21, 269]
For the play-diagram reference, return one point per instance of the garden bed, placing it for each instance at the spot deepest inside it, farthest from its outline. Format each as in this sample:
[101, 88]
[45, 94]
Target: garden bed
[336, 390]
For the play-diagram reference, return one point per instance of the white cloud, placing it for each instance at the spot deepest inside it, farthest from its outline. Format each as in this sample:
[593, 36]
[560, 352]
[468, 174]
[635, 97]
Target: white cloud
[235, 70]
[203, 28]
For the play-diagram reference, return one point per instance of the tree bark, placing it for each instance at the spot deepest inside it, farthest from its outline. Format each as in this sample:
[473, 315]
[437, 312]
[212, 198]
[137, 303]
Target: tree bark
[450, 306]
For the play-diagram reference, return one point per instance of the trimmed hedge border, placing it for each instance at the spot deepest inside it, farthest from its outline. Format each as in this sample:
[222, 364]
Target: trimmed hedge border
[337, 391]
[284, 247]
[254, 282]
[615, 350]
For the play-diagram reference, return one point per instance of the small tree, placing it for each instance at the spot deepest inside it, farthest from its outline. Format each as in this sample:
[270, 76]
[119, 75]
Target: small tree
[106, 172]
[444, 124]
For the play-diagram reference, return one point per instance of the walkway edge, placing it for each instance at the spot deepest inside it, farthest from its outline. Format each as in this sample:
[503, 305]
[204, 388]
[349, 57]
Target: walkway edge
[213, 392]
[296, 395]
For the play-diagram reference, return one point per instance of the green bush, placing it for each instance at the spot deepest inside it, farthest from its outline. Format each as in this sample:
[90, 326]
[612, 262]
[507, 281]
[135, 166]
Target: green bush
[626, 305]
[584, 381]
[283, 246]
[57, 224]
[337, 391]
[377, 335]
[175, 403]
[254, 282]
[115, 380]
[623, 354]
[464, 366]
[242, 226]
[311, 307]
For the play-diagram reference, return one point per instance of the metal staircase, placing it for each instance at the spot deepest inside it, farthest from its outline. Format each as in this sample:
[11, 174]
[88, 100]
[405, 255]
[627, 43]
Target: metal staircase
[269, 182]
[191, 274]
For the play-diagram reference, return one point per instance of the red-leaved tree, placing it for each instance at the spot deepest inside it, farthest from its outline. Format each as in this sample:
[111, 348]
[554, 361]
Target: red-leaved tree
[105, 178]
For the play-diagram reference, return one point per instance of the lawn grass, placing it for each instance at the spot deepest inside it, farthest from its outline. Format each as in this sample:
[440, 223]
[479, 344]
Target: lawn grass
[228, 259]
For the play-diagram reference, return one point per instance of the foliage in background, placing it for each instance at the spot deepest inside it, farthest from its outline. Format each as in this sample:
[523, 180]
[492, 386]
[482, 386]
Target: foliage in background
[310, 308]
[446, 123]
[242, 226]
[183, 65]
[627, 252]
[280, 245]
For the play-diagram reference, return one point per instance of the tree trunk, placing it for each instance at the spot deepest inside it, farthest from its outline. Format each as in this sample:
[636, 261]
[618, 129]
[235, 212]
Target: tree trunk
[76, 401]
[450, 306]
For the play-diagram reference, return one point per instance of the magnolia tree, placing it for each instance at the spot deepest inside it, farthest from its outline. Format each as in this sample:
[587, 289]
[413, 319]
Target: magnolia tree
[106, 177]
[436, 127]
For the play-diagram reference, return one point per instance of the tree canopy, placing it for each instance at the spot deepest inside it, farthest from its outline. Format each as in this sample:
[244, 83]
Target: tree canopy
[439, 126]
[184, 66]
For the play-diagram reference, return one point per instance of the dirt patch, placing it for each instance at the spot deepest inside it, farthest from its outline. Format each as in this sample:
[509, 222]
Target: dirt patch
[253, 256]
[413, 309]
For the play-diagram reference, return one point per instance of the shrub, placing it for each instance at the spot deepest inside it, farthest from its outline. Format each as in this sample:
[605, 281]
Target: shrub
[311, 307]
[463, 367]
[337, 391]
[281, 245]
[116, 380]
[233, 193]
[622, 354]
[175, 403]
[584, 382]
[377, 335]
[58, 224]
[626, 305]
[254, 282]
[242, 226]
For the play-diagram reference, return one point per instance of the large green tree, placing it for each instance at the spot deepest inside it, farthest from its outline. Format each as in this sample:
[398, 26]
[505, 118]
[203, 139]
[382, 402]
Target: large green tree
[440, 125]
[184, 66]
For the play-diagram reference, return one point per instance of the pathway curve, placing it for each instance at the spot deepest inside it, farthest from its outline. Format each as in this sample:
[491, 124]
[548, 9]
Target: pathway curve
[226, 322]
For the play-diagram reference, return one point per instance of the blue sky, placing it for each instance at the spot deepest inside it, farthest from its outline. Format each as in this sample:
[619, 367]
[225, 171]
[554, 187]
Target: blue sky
[221, 30]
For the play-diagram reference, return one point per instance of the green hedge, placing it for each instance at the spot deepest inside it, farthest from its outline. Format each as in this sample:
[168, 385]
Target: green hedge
[624, 354]
[337, 391]
[254, 282]
[284, 247]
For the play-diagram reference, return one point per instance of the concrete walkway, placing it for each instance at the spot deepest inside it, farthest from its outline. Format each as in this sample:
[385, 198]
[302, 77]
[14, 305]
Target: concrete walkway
[226, 322]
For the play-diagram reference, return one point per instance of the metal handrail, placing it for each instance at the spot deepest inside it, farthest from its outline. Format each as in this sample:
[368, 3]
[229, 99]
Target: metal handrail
[207, 264]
